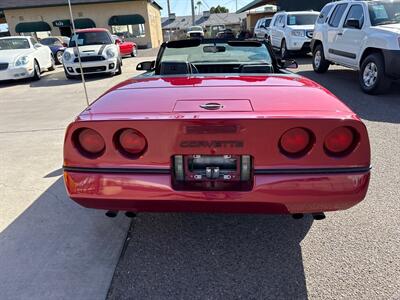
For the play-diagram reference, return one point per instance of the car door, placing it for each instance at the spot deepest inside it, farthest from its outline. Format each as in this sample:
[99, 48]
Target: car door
[42, 54]
[126, 48]
[334, 32]
[274, 32]
[257, 29]
[280, 32]
[349, 43]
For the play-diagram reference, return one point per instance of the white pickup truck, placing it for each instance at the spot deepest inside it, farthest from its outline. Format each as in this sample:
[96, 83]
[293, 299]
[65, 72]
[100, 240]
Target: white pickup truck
[361, 35]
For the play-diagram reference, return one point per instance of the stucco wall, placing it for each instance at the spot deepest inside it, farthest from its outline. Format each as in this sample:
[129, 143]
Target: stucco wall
[99, 13]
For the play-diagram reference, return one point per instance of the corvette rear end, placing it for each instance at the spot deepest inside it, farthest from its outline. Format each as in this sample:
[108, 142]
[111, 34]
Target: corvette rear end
[248, 144]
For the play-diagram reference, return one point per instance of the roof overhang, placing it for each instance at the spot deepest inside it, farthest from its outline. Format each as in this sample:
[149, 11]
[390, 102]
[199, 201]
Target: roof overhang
[126, 20]
[256, 3]
[32, 27]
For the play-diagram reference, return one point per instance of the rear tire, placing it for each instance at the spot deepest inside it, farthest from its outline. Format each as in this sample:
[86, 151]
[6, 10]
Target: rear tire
[372, 77]
[52, 67]
[320, 64]
[134, 52]
[36, 72]
[59, 55]
[119, 69]
[284, 51]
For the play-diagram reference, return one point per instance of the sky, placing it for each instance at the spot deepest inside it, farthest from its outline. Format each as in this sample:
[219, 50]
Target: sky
[184, 8]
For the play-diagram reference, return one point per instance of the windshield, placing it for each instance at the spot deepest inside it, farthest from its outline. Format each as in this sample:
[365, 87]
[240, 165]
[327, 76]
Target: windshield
[219, 53]
[50, 41]
[382, 13]
[91, 38]
[302, 19]
[195, 28]
[10, 44]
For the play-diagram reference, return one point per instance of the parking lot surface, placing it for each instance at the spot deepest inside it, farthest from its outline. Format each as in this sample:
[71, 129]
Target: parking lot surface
[50, 248]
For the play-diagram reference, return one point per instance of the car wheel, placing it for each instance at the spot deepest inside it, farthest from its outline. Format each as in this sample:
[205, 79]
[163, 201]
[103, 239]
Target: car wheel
[59, 56]
[36, 71]
[119, 69]
[134, 52]
[52, 67]
[372, 75]
[320, 64]
[284, 50]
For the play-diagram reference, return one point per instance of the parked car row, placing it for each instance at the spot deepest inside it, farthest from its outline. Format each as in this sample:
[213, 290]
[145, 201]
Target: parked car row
[362, 35]
[25, 57]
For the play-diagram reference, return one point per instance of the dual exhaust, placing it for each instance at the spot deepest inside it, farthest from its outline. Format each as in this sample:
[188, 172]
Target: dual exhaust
[114, 213]
[316, 216]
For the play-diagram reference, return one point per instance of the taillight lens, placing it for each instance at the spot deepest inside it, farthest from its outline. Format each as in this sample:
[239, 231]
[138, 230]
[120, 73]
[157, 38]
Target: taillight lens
[340, 141]
[131, 142]
[90, 141]
[296, 141]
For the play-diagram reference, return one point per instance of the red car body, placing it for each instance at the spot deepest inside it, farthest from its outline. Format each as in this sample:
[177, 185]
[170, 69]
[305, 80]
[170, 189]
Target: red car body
[254, 114]
[126, 48]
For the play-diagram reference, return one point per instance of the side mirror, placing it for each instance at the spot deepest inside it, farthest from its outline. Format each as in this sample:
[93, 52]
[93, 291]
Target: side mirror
[65, 45]
[145, 66]
[289, 64]
[118, 41]
[353, 23]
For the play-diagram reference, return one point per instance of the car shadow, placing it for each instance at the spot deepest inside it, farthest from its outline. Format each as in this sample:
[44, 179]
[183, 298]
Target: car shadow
[58, 250]
[203, 256]
[344, 84]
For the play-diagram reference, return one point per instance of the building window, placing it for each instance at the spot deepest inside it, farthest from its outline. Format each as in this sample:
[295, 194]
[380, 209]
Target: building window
[129, 31]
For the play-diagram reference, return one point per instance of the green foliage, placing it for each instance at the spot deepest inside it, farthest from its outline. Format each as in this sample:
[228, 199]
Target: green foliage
[218, 9]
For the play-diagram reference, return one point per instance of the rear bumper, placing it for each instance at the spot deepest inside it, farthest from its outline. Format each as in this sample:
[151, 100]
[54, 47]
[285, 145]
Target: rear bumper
[271, 193]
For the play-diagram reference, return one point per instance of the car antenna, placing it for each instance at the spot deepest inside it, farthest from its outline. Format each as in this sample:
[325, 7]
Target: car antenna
[77, 51]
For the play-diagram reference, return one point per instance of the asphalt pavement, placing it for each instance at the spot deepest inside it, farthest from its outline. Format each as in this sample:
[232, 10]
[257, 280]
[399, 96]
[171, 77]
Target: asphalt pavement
[50, 248]
[352, 254]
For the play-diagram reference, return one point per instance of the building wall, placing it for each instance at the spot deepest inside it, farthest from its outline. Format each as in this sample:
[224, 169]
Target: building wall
[100, 13]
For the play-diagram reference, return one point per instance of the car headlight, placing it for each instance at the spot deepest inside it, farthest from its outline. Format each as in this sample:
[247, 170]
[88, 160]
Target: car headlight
[67, 56]
[111, 53]
[298, 33]
[22, 61]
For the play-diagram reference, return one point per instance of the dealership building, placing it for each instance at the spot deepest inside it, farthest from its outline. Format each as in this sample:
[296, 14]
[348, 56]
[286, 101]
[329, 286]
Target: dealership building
[137, 20]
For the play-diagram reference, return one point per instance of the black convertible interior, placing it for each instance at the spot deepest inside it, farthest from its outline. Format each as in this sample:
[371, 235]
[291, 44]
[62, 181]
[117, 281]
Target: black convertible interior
[210, 56]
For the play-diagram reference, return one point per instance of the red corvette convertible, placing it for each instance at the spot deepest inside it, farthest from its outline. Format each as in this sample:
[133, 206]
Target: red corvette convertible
[217, 126]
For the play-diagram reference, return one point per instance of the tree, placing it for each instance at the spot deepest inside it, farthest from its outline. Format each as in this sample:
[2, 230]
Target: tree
[218, 10]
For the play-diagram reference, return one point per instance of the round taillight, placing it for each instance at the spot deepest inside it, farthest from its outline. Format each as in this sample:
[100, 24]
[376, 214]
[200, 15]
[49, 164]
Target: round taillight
[91, 142]
[132, 142]
[296, 141]
[340, 141]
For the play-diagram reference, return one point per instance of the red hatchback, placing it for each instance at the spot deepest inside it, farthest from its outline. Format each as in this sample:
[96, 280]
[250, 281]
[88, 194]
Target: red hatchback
[217, 126]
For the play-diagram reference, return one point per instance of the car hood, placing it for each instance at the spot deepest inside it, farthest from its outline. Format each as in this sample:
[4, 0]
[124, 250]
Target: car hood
[260, 95]
[302, 27]
[391, 27]
[9, 56]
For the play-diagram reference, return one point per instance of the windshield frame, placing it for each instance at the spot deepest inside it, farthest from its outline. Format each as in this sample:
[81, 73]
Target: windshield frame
[76, 37]
[16, 39]
[277, 64]
[301, 15]
[373, 21]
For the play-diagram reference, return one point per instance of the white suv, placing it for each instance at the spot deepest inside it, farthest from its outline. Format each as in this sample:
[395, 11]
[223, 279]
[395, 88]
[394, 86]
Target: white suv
[362, 35]
[261, 30]
[292, 31]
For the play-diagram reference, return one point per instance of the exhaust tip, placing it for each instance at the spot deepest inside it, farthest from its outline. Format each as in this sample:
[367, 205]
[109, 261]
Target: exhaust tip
[319, 216]
[297, 216]
[130, 214]
[111, 213]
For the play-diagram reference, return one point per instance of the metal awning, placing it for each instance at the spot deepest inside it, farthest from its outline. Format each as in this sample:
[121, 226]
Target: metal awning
[84, 23]
[32, 27]
[126, 20]
[256, 3]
